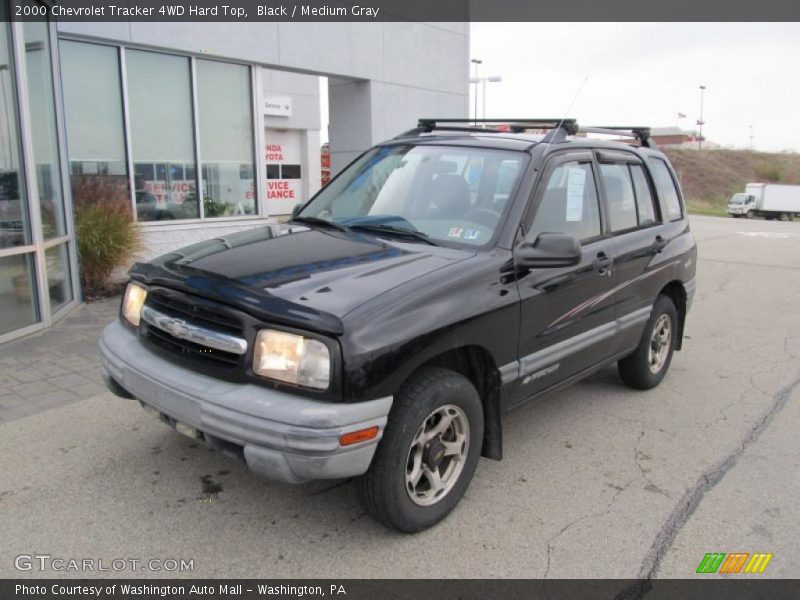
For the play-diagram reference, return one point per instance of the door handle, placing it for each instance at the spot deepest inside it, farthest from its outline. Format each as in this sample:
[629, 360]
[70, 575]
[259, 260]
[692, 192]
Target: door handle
[659, 244]
[602, 263]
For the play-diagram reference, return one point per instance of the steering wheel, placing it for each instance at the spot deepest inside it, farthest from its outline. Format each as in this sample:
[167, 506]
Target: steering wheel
[483, 215]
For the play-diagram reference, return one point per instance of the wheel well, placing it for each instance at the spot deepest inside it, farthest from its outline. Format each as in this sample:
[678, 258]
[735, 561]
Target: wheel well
[675, 291]
[476, 364]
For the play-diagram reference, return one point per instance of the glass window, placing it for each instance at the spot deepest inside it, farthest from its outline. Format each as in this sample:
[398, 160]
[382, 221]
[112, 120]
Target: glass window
[18, 304]
[14, 224]
[273, 171]
[420, 188]
[93, 107]
[162, 135]
[291, 171]
[620, 198]
[225, 116]
[58, 277]
[568, 203]
[667, 189]
[645, 204]
[41, 106]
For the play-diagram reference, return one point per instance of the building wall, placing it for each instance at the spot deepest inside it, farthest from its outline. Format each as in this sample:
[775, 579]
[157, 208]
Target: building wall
[396, 72]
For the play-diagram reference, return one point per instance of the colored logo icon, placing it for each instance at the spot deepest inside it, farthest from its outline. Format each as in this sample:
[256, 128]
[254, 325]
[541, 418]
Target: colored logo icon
[735, 562]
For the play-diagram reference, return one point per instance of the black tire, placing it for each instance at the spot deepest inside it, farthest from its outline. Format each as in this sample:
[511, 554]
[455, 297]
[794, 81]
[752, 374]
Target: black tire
[784, 217]
[383, 488]
[635, 369]
[750, 214]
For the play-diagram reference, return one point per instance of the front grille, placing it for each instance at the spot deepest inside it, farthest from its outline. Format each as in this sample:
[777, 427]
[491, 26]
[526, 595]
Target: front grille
[197, 312]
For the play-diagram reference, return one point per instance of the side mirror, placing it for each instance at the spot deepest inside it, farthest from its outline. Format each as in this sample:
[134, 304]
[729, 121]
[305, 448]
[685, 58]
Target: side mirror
[550, 250]
[296, 209]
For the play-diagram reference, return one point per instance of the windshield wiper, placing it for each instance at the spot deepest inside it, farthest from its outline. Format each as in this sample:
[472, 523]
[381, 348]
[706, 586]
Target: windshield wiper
[319, 222]
[399, 231]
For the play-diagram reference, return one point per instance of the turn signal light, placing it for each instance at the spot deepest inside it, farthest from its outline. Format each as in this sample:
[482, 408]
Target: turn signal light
[354, 437]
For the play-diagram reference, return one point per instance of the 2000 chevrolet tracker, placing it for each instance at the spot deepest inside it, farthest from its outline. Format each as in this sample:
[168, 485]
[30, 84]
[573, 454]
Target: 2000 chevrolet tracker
[443, 278]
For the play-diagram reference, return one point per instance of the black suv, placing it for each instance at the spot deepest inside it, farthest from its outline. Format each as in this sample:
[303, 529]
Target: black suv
[441, 279]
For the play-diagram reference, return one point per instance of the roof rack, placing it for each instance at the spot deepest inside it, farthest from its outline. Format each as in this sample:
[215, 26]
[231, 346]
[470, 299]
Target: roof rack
[560, 128]
[641, 134]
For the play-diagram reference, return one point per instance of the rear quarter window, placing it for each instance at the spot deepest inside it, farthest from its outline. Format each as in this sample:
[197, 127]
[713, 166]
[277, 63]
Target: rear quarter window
[667, 188]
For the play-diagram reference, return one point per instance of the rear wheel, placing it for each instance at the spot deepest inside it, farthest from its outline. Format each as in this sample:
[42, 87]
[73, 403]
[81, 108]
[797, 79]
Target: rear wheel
[785, 217]
[428, 453]
[649, 363]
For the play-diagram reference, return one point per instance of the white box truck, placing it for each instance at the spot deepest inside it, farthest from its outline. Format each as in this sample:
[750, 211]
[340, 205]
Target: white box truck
[768, 200]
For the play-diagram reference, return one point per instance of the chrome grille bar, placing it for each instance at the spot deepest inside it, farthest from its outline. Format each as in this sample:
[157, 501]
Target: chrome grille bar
[199, 335]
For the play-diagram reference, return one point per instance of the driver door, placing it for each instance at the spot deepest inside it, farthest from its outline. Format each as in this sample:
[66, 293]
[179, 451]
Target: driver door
[567, 313]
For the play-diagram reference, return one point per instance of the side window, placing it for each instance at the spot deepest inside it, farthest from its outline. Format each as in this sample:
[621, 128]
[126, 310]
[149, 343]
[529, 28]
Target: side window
[568, 203]
[644, 197]
[620, 198]
[667, 189]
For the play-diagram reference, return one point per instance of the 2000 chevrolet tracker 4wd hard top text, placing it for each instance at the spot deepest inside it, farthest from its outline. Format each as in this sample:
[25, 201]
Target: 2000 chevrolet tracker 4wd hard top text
[441, 279]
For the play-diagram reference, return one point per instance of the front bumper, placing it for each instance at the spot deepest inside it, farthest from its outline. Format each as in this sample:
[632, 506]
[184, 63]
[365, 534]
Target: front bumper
[280, 436]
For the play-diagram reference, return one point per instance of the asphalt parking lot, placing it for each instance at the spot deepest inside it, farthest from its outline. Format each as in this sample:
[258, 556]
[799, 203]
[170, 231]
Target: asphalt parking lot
[598, 480]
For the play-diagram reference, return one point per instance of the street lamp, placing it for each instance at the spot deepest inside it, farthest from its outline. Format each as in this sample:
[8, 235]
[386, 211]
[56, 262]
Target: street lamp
[752, 145]
[700, 122]
[482, 81]
[476, 62]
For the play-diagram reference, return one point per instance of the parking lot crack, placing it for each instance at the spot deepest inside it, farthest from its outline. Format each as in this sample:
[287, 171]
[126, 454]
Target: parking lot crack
[638, 457]
[691, 499]
[551, 543]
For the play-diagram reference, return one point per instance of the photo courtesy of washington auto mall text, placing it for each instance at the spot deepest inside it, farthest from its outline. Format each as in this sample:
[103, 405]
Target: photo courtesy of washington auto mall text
[177, 590]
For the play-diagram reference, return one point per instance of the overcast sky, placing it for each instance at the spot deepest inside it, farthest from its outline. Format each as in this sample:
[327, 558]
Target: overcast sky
[646, 73]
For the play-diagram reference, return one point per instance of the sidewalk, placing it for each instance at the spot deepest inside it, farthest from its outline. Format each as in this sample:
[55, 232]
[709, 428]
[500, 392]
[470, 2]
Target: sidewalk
[55, 367]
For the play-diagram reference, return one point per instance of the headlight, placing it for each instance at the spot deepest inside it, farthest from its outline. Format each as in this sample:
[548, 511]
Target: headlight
[132, 303]
[292, 358]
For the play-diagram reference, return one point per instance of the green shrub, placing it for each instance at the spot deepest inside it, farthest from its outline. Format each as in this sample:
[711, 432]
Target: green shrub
[769, 173]
[106, 235]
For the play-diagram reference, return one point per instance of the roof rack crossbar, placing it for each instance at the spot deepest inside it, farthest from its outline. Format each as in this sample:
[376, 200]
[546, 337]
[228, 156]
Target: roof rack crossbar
[642, 134]
[570, 126]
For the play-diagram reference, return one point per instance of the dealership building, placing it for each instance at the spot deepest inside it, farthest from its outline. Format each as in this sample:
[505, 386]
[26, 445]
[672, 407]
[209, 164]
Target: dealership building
[202, 129]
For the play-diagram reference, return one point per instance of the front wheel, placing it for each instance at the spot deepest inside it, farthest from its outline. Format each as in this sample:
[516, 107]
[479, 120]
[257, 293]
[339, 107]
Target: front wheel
[647, 366]
[428, 454]
[750, 214]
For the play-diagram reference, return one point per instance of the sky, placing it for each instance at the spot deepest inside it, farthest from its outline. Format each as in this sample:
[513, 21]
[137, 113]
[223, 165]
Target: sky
[647, 73]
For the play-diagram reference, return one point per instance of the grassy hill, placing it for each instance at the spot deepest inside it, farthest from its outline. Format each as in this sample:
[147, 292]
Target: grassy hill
[708, 178]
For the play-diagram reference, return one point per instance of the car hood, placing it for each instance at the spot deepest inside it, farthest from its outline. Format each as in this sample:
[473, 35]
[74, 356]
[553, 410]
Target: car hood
[294, 274]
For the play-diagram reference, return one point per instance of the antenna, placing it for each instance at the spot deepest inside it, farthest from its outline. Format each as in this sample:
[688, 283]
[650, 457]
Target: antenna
[550, 137]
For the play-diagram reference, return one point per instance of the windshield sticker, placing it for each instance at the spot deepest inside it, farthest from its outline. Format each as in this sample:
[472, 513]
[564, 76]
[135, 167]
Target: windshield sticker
[455, 232]
[472, 234]
[576, 182]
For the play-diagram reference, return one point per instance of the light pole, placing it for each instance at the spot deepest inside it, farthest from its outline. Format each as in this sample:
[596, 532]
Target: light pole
[476, 62]
[700, 122]
[752, 145]
[482, 81]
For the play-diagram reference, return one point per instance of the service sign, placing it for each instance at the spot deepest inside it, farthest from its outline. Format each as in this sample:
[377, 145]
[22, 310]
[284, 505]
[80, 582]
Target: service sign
[278, 106]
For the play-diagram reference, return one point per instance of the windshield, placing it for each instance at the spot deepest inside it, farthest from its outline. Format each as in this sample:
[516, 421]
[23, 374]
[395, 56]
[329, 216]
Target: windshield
[738, 199]
[444, 193]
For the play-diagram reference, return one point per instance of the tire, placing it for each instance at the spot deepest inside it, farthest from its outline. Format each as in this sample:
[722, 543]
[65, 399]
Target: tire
[638, 369]
[749, 214]
[385, 490]
[784, 217]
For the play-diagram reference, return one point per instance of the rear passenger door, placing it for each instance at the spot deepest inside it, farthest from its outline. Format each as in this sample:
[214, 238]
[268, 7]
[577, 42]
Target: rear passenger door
[567, 313]
[637, 228]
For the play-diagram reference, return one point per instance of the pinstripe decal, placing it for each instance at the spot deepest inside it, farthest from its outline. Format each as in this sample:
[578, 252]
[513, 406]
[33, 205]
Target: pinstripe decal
[595, 300]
